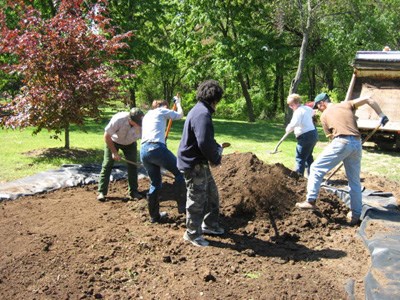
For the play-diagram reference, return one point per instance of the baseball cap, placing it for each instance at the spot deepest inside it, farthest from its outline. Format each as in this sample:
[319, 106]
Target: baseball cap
[136, 115]
[319, 98]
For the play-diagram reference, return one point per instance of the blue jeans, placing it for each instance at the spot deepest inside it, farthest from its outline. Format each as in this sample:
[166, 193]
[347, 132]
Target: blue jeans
[155, 156]
[349, 150]
[304, 149]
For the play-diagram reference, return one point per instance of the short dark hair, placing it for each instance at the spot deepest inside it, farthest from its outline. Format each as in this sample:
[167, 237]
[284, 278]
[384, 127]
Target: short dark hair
[209, 91]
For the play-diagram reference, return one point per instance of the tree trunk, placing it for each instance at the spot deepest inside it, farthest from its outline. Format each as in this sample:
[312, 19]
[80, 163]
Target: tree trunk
[276, 100]
[249, 103]
[132, 97]
[66, 130]
[282, 90]
[53, 4]
[303, 50]
[329, 78]
[248, 81]
[312, 82]
[167, 91]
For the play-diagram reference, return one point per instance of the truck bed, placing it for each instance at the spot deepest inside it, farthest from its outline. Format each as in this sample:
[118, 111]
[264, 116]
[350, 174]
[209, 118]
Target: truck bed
[377, 74]
[387, 94]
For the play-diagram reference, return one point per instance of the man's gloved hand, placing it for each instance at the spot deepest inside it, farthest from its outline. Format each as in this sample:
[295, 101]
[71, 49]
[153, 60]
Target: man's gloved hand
[177, 100]
[384, 120]
[220, 149]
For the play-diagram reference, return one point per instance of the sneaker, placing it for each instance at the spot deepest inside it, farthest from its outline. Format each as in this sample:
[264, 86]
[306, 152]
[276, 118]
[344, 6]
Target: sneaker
[352, 221]
[162, 217]
[198, 242]
[306, 205]
[101, 197]
[135, 195]
[215, 231]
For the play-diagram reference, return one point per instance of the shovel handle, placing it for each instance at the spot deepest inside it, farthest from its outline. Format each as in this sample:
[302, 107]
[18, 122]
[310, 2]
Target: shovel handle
[131, 162]
[169, 124]
[371, 133]
[365, 140]
[280, 142]
[140, 165]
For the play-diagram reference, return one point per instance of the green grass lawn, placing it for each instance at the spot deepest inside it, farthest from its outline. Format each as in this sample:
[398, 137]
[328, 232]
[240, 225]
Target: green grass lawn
[259, 138]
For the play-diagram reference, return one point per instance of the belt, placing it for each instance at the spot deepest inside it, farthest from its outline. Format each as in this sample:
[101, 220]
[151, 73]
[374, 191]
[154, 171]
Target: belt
[346, 136]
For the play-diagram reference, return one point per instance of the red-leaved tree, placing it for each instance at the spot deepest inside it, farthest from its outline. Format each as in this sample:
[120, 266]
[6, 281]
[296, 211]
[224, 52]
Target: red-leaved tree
[65, 63]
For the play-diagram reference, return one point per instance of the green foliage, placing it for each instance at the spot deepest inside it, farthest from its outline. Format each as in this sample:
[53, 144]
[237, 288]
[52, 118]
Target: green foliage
[65, 66]
[233, 110]
[181, 43]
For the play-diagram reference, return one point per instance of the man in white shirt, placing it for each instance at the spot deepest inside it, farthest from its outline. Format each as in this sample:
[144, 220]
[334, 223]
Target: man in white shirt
[122, 132]
[306, 134]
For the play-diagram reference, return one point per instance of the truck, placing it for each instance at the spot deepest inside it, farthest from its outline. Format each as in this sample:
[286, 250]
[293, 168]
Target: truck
[377, 74]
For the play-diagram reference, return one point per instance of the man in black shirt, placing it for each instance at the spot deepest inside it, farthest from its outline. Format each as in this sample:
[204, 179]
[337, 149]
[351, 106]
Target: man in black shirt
[197, 150]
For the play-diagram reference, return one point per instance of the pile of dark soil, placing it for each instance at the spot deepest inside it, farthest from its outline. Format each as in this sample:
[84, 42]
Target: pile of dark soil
[254, 191]
[67, 245]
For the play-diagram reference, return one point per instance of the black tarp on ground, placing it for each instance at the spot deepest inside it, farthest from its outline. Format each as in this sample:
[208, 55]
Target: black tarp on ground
[66, 176]
[380, 231]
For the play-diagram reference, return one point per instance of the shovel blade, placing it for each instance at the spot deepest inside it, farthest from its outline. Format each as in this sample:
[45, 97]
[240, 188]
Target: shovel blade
[273, 152]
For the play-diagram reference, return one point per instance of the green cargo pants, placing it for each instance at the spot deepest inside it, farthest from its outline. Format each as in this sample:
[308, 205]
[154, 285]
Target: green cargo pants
[130, 153]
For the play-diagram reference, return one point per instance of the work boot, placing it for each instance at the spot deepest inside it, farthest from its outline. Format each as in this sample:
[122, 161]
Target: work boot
[101, 197]
[135, 195]
[306, 205]
[213, 231]
[352, 220]
[198, 242]
[154, 208]
[181, 198]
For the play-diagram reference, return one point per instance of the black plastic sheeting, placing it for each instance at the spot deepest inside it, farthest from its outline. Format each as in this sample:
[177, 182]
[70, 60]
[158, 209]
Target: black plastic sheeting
[380, 232]
[66, 176]
[380, 227]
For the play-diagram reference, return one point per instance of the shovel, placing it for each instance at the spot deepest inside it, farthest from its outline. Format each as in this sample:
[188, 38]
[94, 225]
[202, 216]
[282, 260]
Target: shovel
[280, 142]
[163, 172]
[170, 120]
[131, 162]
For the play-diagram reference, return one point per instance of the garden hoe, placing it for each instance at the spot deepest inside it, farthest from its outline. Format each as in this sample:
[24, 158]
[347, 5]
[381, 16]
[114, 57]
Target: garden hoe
[280, 142]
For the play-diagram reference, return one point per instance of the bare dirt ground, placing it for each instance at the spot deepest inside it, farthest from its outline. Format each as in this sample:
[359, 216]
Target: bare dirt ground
[67, 245]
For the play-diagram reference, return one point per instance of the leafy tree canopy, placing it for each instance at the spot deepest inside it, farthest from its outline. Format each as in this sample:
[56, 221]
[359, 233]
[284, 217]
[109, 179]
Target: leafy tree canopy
[65, 63]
